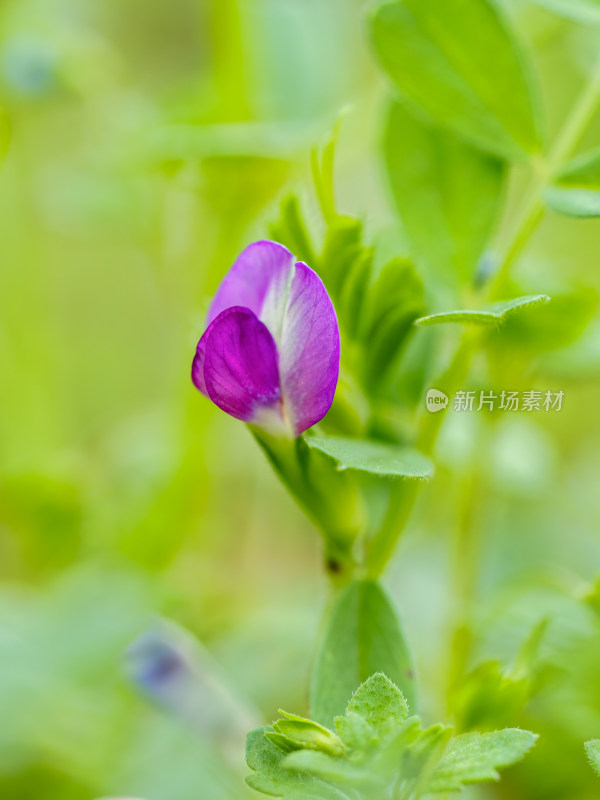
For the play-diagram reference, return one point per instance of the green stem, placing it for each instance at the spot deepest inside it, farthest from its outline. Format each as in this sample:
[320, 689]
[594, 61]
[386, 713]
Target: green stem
[531, 214]
[381, 548]
[404, 495]
[464, 573]
[578, 121]
[533, 207]
[449, 382]
[466, 548]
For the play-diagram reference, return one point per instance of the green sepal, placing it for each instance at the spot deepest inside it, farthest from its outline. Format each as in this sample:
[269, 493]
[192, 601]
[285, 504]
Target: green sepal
[304, 733]
[332, 499]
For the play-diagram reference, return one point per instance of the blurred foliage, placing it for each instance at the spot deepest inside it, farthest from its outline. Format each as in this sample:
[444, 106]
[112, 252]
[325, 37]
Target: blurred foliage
[149, 142]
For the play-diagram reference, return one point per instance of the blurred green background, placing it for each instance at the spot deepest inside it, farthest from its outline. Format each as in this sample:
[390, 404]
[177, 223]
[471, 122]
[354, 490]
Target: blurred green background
[151, 142]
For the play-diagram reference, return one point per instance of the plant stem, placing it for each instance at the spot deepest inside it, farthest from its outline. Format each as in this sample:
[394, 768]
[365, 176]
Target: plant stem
[578, 121]
[465, 555]
[403, 495]
[464, 573]
[533, 207]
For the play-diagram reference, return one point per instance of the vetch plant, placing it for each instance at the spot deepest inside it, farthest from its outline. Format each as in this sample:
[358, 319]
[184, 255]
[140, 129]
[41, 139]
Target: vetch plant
[402, 329]
[464, 110]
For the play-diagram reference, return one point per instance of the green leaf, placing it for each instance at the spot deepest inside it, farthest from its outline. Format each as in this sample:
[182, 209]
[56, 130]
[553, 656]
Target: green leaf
[592, 749]
[493, 316]
[395, 299]
[322, 163]
[447, 193]
[476, 757]
[487, 697]
[550, 325]
[354, 291]
[573, 202]
[380, 703]
[342, 248]
[459, 61]
[491, 695]
[423, 755]
[376, 458]
[385, 752]
[291, 231]
[272, 776]
[264, 757]
[586, 11]
[575, 190]
[362, 637]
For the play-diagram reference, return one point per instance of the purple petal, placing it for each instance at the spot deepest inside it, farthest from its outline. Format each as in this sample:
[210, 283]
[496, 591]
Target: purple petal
[198, 364]
[240, 372]
[271, 352]
[258, 280]
[309, 350]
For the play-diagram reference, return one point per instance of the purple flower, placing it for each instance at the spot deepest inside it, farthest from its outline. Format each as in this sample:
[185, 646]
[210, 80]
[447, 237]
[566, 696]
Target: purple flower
[271, 352]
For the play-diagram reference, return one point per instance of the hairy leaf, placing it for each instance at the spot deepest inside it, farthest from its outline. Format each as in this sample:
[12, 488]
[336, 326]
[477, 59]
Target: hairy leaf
[476, 757]
[423, 755]
[494, 315]
[386, 754]
[549, 325]
[592, 749]
[264, 757]
[380, 703]
[355, 732]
